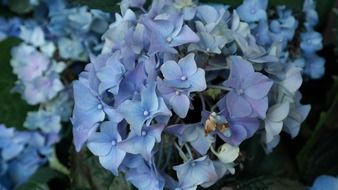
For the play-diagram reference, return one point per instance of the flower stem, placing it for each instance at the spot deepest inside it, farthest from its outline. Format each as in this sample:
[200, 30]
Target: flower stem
[219, 87]
[180, 152]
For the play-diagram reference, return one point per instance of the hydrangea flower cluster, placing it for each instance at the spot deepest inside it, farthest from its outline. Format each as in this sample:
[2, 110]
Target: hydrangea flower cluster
[311, 42]
[325, 182]
[132, 100]
[50, 43]
[21, 154]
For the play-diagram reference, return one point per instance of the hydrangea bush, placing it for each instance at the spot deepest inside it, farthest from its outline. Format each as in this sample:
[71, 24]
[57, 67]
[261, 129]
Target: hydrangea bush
[172, 90]
[133, 99]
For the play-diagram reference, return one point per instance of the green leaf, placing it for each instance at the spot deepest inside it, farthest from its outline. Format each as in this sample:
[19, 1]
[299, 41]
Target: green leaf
[257, 163]
[104, 5]
[20, 6]
[87, 173]
[57, 165]
[267, 183]
[120, 182]
[13, 109]
[318, 154]
[39, 180]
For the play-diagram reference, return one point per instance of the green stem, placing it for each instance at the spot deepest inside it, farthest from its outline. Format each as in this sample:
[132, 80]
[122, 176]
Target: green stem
[180, 152]
[219, 87]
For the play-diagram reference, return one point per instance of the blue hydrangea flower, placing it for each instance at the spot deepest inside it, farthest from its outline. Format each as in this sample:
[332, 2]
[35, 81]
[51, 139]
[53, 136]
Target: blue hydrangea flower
[179, 80]
[105, 145]
[194, 134]
[196, 172]
[178, 99]
[11, 145]
[111, 74]
[324, 182]
[249, 90]
[48, 122]
[210, 28]
[314, 66]
[143, 175]
[88, 111]
[311, 41]
[253, 10]
[34, 36]
[168, 33]
[311, 15]
[138, 112]
[143, 144]
[184, 74]
[283, 28]
[71, 49]
[297, 115]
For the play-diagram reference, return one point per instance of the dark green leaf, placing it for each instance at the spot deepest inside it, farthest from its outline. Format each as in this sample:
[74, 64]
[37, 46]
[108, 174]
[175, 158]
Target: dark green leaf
[267, 183]
[87, 173]
[20, 6]
[39, 180]
[110, 6]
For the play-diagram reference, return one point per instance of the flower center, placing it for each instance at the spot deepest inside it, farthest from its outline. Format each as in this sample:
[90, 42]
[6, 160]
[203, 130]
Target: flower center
[177, 93]
[99, 106]
[169, 39]
[145, 113]
[113, 142]
[253, 10]
[240, 91]
[183, 78]
[143, 133]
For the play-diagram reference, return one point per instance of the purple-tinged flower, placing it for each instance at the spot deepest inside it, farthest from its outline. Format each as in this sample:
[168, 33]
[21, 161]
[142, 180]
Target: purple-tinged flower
[28, 63]
[132, 84]
[104, 144]
[177, 99]
[184, 74]
[138, 112]
[236, 130]
[143, 144]
[165, 34]
[253, 10]
[196, 172]
[249, 89]
[111, 75]
[143, 175]
[115, 36]
[42, 89]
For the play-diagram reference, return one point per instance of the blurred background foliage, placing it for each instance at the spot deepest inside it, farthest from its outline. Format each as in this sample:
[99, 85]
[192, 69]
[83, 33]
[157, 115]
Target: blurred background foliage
[292, 165]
